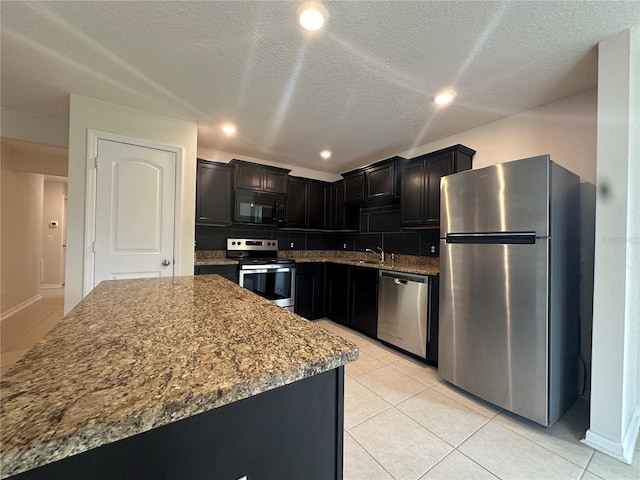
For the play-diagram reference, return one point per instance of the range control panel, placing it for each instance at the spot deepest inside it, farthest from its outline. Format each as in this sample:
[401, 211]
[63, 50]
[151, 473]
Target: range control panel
[251, 244]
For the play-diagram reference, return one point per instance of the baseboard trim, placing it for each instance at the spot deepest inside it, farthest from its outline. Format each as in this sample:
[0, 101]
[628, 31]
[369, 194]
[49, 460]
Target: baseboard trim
[622, 451]
[20, 306]
[51, 285]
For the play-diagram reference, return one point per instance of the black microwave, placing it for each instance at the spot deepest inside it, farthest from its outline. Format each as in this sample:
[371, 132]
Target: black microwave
[259, 208]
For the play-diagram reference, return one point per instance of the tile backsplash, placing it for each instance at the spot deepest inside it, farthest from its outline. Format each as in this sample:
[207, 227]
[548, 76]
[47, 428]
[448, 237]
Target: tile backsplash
[379, 227]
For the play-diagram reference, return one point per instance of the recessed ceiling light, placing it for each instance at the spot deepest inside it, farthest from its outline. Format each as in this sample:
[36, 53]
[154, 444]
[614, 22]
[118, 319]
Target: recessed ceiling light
[228, 128]
[311, 16]
[325, 154]
[444, 97]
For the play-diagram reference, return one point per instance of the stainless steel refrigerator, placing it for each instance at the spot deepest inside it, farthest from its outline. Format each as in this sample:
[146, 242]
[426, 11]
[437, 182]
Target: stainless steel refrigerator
[509, 286]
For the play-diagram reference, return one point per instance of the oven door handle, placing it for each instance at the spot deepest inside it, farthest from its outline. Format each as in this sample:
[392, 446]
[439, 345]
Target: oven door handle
[265, 270]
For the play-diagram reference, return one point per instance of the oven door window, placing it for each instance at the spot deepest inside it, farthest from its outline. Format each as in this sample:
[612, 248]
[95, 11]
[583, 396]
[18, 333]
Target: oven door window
[271, 284]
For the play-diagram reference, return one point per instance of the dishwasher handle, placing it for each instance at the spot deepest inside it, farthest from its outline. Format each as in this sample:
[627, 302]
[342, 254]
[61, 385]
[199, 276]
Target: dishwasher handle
[402, 278]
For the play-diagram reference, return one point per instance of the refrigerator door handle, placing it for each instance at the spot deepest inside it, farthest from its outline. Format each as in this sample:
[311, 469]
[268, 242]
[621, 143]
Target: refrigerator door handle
[524, 238]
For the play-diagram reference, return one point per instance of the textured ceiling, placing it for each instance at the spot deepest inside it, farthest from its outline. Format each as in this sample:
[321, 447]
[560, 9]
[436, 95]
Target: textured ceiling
[361, 87]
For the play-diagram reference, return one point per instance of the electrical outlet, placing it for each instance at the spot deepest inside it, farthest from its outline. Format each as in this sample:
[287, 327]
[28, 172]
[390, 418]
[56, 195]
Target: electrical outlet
[292, 245]
[344, 245]
[433, 249]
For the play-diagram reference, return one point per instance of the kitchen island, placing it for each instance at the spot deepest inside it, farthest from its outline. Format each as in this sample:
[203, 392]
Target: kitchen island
[186, 377]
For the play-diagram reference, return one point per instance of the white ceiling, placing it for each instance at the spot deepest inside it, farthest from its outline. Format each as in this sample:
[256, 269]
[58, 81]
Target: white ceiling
[361, 87]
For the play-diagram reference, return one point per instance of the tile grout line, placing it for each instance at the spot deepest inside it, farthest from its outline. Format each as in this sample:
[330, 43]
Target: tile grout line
[368, 453]
[542, 446]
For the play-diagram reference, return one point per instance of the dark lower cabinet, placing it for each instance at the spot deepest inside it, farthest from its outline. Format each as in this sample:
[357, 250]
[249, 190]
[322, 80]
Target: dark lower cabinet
[352, 297]
[309, 295]
[337, 293]
[230, 272]
[363, 300]
[293, 431]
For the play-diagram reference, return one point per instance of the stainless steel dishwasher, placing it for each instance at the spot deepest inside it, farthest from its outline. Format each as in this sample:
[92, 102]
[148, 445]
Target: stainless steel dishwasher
[403, 306]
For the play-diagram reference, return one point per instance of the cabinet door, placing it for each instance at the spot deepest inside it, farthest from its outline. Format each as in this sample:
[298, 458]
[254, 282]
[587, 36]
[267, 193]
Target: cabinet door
[337, 291]
[230, 272]
[337, 205]
[354, 187]
[274, 181]
[249, 177]
[381, 181]
[437, 167]
[318, 203]
[363, 301]
[297, 203]
[309, 296]
[412, 185]
[213, 193]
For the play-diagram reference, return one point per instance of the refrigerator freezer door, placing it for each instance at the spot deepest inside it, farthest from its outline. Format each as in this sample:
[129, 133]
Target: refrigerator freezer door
[494, 321]
[509, 197]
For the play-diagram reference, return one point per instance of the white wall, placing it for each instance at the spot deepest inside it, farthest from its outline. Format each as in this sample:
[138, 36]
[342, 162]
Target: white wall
[20, 229]
[25, 156]
[55, 189]
[226, 157]
[615, 399]
[87, 113]
[566, 129]
[34, 127]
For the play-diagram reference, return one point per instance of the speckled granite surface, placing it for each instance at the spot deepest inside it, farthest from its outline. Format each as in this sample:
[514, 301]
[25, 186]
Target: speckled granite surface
[402, 263]
[138, 354]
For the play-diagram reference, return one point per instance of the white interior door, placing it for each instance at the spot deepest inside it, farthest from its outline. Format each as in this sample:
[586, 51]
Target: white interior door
[135, 212]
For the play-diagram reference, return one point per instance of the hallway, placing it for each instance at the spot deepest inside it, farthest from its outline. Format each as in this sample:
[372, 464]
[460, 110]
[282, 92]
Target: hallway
[21, 331]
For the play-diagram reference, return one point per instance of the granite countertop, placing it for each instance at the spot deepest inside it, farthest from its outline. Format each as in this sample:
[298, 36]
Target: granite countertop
[138, 354]
[403, 263]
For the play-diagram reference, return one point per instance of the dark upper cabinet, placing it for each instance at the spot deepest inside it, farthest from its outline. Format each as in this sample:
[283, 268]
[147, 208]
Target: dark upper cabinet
[412, 177]
[354, 187]
[297, 212]
[308, 205]
[275, 181]
[318, 204]
[309, 295]
[337, 205]
[213, 193]
[260, 178]
[375, 182]
[381, 181]
[420, 184]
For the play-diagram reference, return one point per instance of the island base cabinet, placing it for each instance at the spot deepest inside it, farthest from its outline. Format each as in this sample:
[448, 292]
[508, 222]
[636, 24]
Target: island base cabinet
[292, 432]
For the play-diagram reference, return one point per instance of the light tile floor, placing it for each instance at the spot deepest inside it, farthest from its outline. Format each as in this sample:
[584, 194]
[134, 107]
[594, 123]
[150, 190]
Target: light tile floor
[402, 421]
[21, 331]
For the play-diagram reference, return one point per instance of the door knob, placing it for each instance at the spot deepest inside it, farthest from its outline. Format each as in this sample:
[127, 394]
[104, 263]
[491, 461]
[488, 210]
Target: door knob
[166, 262]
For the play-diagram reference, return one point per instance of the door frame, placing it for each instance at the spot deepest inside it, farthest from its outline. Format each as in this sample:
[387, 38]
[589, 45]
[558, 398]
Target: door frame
[90, 197]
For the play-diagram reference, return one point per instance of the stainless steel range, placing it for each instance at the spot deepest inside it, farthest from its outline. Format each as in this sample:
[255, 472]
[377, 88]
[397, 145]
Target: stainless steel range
[262, 272]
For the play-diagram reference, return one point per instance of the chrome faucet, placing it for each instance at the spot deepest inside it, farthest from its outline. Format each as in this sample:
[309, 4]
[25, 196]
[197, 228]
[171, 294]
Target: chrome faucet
[381, 253]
